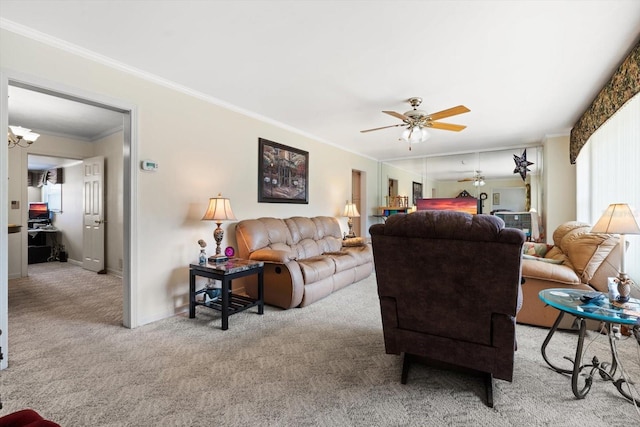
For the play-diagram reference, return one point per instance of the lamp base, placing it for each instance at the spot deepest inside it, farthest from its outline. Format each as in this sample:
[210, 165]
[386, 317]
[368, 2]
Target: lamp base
[218, 258]
[624, 287]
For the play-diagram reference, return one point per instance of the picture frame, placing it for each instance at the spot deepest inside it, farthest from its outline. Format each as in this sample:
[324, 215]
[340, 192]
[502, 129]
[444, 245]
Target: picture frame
[417, 192]
[496, 198]
[283, 173]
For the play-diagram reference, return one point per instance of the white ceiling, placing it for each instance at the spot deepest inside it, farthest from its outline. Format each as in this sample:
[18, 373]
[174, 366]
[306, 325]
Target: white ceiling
[525, 69]
[59, 116]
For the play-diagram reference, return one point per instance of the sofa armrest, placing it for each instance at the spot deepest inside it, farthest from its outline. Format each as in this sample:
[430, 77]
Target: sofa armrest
[558, 273]
[272, 255]
[353, 242]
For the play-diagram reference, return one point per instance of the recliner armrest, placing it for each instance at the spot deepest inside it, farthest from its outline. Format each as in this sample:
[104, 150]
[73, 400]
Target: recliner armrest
[272, 255]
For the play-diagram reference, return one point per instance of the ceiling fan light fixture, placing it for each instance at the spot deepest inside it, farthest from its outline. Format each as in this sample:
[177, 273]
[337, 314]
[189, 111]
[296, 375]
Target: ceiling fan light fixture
[478, 182]
[414, 134]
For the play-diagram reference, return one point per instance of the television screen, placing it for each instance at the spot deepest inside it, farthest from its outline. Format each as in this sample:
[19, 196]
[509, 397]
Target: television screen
[460, 204]
[38, 210]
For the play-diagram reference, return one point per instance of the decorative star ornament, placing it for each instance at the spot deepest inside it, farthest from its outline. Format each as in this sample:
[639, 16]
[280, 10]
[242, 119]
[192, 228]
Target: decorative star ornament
[522, 165]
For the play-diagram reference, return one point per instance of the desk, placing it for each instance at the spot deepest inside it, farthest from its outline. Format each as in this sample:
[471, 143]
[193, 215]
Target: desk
[228, 303]
[43, 244]
[601, 309]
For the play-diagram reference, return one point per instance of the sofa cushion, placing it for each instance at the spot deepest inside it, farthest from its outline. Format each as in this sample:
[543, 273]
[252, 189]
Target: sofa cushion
[587, 251]
[343, 260]
[316, 268]
[533, 268]
[568, 227]
[262, 233]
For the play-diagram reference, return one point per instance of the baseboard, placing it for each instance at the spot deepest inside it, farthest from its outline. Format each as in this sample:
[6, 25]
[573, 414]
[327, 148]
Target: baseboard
[117, 273]
[112, 271]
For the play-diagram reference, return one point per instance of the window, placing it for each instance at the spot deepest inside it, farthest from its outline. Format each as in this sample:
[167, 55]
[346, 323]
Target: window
[608, 171]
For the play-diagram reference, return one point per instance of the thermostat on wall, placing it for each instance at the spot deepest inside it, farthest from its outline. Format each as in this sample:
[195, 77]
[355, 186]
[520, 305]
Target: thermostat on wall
[149, 165]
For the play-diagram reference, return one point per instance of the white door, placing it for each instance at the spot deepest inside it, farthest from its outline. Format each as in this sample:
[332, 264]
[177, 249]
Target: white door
[93, 209]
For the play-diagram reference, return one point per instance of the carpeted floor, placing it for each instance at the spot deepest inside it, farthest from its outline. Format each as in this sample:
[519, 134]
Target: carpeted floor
[323, 365]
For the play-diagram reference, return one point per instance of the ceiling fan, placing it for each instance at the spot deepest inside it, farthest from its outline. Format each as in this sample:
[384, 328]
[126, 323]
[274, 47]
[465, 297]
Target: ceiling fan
[416, 121]
[478, 180]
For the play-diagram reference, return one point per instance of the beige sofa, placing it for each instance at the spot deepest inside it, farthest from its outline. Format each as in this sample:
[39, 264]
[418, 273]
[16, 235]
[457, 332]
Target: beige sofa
[306, 259]
[578, 259]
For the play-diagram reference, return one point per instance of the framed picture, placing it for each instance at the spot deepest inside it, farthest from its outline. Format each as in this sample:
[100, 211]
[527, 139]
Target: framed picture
[496, 198]
[283, 173]
[417, 192]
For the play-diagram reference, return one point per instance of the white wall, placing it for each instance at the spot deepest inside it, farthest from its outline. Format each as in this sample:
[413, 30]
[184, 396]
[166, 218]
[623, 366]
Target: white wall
[559, 189]
[405, 184]
[202, 149]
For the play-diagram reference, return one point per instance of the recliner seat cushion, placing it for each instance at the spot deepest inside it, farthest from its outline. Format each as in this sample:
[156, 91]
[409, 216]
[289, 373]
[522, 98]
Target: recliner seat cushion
[316, 268]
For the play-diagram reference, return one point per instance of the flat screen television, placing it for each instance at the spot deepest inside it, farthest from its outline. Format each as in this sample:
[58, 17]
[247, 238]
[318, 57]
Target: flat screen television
[38, 210]
[460, 204]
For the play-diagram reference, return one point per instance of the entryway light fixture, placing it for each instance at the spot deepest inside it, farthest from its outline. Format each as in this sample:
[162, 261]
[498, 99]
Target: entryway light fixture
[21, 137]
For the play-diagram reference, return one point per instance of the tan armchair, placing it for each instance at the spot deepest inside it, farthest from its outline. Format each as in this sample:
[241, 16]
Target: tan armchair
[578, 259]
[449, 288]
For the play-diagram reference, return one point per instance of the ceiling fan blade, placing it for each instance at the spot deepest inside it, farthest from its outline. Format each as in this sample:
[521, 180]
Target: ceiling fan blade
[383, 127]
[465, 180]
[397, 115]
[445, 126]
[449, 112]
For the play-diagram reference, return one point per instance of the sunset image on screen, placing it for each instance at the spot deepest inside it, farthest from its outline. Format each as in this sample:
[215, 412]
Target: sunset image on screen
[460, 204]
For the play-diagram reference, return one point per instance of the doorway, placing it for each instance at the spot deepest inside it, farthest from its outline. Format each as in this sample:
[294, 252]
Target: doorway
[129, 205]
[356, 198]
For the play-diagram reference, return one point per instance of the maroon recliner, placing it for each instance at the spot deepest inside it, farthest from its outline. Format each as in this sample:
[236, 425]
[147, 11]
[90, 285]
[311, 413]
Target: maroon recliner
[25, 418]
[449, 289]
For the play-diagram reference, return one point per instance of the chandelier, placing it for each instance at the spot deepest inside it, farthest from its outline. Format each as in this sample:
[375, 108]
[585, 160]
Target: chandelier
[21, 137]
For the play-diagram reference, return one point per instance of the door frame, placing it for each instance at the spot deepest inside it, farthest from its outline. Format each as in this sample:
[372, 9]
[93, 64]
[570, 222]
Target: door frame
[130, 179]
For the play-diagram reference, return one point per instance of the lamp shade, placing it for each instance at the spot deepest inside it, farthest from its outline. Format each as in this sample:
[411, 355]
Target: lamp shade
[219, 209]
[617, 219]
[351, 211]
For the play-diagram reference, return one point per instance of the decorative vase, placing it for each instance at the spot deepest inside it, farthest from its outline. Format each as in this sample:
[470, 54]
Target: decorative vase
[624, 289]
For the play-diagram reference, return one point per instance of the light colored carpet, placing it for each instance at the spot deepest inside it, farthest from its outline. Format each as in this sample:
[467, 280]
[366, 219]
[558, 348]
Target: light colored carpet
[323, 365]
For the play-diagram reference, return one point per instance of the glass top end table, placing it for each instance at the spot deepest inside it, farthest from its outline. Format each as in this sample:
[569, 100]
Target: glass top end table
[596, 306]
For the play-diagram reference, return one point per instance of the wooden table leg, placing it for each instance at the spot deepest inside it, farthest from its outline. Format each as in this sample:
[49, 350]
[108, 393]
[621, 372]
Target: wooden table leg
[192, 295]
[225, 304]
[261, 292]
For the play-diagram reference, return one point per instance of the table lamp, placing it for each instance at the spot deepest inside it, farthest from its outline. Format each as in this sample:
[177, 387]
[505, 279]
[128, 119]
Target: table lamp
[350, 211]
[619, 219]
[219, 210]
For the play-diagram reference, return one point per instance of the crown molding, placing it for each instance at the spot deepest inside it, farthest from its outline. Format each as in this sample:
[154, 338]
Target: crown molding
[110, 62]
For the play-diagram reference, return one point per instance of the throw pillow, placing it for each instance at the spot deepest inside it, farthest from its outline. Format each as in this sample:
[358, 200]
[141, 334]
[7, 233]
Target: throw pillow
[535, 249]
[537, 258]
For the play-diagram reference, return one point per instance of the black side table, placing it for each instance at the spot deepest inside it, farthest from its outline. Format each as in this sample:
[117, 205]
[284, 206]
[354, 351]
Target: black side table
[228, 303]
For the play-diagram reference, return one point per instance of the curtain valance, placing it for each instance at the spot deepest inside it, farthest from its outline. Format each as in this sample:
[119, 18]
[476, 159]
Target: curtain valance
[37, 178]
[623, 85]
